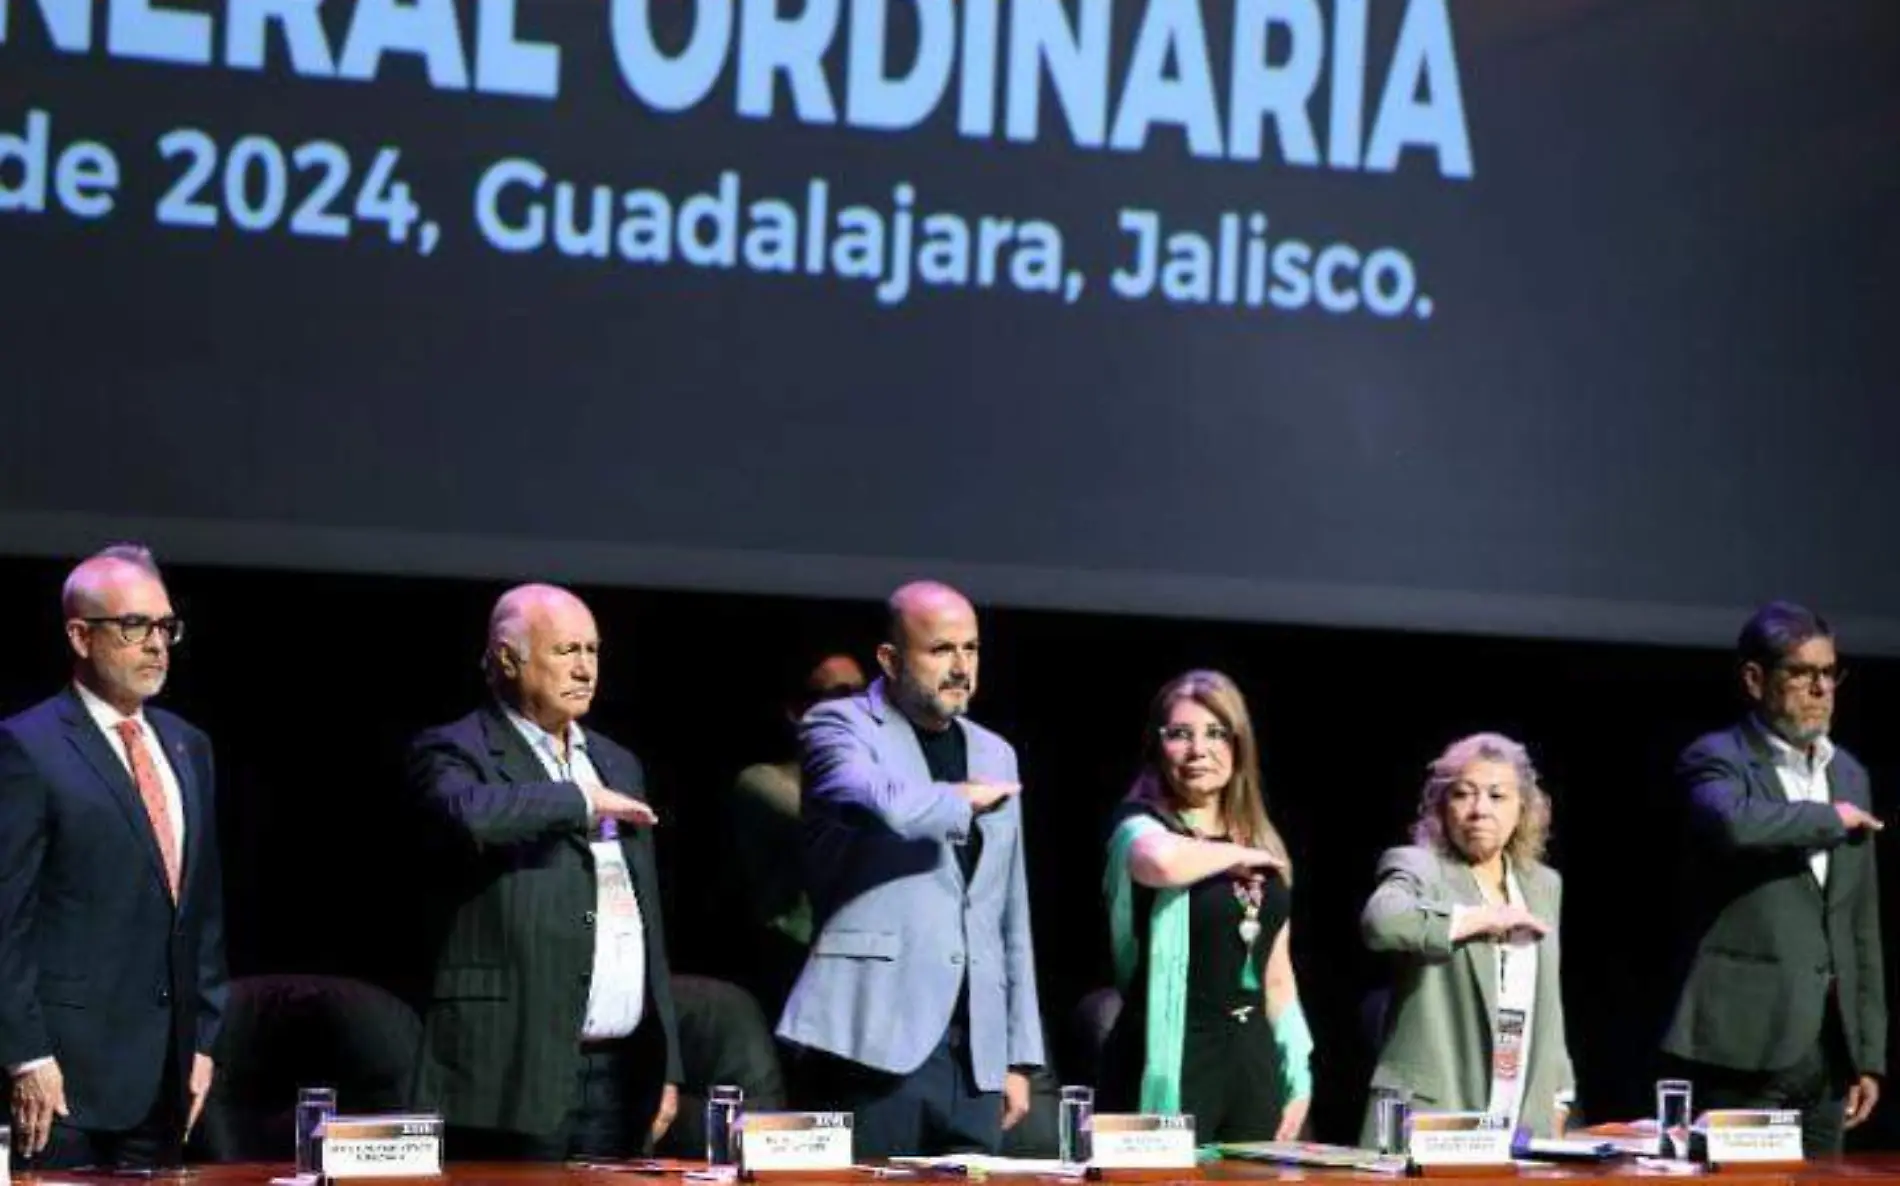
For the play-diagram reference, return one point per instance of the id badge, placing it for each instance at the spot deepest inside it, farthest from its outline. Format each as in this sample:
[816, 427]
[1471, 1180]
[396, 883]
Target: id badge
[1507, 1053]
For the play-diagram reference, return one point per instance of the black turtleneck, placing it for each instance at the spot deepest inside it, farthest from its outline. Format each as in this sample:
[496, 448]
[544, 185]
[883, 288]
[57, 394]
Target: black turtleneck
[947, 753]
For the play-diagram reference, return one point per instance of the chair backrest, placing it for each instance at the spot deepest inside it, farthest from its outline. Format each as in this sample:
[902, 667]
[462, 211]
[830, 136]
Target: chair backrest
[724, 1040]
[285, 1032]
[1373, 1010]
[1089, 1026]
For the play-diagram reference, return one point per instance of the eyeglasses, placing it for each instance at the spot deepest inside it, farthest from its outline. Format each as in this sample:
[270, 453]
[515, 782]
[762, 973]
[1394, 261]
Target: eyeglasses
[1807, 673]
[135, 629]
[1184, 735]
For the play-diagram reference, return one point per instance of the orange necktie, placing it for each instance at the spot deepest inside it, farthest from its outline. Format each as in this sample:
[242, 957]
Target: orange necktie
[152, 793]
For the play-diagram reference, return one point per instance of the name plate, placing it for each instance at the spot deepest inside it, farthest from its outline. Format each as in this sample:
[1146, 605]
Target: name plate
[1459, 1138]
[1744, 1135]
[1127, 1141]
[800, 1141]
[382, 1146]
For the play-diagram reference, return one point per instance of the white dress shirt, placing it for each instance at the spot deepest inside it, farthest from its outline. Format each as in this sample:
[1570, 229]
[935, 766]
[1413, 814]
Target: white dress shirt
[108, 718]
[616, 994]
[1803, 778]
[1517, 995]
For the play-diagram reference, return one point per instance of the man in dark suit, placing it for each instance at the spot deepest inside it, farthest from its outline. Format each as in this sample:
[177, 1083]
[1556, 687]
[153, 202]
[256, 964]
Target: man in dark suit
[112, 978]
[1784, 1002]
[549, 1029]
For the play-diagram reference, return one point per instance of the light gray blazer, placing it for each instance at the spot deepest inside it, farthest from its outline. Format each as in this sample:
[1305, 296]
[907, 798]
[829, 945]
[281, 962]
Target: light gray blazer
[1437, 1042]
[896, 927]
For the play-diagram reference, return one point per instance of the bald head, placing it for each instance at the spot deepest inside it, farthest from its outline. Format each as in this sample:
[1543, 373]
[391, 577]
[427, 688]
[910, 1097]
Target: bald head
[117, 625]
[920, 600]
[931, 652]
[544, 654]
[522, 607]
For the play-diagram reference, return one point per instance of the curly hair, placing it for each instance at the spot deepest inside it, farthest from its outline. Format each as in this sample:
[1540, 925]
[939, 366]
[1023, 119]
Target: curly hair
[1526, 844]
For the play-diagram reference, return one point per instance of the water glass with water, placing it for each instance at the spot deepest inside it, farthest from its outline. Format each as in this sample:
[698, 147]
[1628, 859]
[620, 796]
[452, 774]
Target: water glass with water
[6, 1155]
[1075, 1127]
[315, 1105]
[1674, 1113]
[1389, 1114]
[725, 1121]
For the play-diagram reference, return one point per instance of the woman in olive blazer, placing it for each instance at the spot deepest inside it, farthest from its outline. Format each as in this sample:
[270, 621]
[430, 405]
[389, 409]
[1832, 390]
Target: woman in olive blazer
[1469, 895]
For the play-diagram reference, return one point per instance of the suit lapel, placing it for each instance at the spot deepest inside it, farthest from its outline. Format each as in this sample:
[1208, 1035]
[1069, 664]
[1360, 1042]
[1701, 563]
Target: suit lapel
[995, 825]
[515, 760]
[1480, 957]
[190, 795]
[1767, 780]
[1761, 764]
[1840, 789]
[1533, 889]
[85, 736]
[1539, 903]
[607, 766]
[990, 822]
[900, 742]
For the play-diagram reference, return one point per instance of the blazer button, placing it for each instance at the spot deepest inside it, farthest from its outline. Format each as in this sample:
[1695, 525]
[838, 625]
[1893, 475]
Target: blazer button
[587, 919]
[164, 996]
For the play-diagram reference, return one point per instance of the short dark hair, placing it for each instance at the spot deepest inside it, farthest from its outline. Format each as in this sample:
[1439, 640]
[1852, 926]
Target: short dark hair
[1777, 629]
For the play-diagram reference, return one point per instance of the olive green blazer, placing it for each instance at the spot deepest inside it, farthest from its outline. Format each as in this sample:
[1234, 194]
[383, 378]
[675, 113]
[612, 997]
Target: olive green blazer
[1436, 1048]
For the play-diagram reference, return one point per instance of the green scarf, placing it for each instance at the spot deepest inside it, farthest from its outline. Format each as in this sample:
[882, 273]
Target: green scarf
[1167, 966]
[1168, 977]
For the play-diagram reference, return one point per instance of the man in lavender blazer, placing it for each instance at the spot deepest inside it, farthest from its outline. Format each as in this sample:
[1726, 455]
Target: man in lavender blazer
[917, 1007]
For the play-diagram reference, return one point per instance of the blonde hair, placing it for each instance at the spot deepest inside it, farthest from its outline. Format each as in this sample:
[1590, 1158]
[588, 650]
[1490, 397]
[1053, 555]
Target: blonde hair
[1526, 845]
[1243, 806]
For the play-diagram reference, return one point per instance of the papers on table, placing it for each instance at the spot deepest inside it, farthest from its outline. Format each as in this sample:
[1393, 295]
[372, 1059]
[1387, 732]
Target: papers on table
[1570, 1149]
[1313, 1154]
[982, 1165]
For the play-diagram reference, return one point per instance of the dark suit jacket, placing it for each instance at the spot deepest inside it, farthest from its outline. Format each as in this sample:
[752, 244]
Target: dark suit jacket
[1765, 935]
[98, 968]
[502, 1023]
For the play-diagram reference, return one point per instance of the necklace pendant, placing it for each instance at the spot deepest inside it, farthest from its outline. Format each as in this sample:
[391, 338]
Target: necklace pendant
[1249, 931]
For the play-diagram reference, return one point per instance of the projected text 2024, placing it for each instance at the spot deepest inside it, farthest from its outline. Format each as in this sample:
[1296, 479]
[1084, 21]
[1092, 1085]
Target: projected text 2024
[892, 239]
[252, 183]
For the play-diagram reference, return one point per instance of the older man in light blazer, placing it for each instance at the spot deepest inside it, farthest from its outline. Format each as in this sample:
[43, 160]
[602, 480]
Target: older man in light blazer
[917, 1008]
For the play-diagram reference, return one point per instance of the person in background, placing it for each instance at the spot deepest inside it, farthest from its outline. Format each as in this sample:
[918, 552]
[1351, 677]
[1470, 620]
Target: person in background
[1468, 912]
[1199, 891]
[763, 814]
[1783, 1001]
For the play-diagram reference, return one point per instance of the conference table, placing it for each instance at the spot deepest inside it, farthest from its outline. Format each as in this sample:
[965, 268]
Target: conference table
[1870, 1169]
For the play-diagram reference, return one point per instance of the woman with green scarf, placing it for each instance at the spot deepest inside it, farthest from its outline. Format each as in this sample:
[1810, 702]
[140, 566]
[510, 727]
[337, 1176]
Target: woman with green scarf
[1199, 888]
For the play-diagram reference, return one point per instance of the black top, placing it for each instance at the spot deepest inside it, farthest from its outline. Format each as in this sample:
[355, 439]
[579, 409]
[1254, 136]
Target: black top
[947, 753]
[1216, 951]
